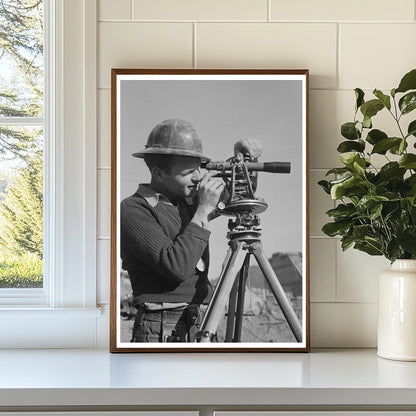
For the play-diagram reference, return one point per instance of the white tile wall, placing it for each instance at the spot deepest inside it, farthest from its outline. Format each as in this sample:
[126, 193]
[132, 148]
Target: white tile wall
[328, 109]
[341, 10]
[345, 44]
[271, 45]
[114, 10]
[339, 325]
[323, 269]
[200, 10]
[319, 203]
[357, 275]
[142, 45]
[376, 55]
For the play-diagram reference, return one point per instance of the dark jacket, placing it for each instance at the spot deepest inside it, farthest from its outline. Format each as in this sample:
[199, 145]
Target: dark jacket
[161, 249]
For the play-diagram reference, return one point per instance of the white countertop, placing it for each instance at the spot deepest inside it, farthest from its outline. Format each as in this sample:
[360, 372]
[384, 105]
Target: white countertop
[96, 377]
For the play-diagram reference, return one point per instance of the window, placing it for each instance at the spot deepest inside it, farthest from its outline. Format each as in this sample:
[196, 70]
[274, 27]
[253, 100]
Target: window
[22, 127]
[63, 312]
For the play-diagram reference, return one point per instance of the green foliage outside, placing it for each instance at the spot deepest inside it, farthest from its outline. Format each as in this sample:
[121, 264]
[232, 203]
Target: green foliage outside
[21, 213]
[21, 271]
[21, 147]
[376, 210]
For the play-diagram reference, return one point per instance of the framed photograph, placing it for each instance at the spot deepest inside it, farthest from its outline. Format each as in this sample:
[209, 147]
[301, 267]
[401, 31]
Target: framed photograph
[209, 211]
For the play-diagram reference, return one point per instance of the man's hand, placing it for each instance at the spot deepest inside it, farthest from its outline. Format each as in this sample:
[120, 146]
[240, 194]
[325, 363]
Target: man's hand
[251, 147]
[209, 193]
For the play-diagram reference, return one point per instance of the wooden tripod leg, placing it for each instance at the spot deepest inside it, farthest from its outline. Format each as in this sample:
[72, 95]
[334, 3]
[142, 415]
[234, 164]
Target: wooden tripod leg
[278, 291]
[232, 303]
[236, 304]
[241, 296]
[216, 307]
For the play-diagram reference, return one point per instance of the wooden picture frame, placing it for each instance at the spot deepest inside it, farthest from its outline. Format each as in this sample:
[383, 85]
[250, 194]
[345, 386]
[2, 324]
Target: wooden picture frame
[223, 106]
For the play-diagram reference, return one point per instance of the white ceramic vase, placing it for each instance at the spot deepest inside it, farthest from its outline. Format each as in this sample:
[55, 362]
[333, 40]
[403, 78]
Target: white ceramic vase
[397, 312]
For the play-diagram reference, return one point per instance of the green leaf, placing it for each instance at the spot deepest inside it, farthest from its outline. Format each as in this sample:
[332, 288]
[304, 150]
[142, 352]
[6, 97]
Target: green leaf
[408, 161]
[385, 99]
[408, 102]
[383, 145]
[407, 239]
[346, 242]
[325, 186]
[411, 183]
[367, 122]
[391, 170]
[333, 229]
[361, 231]
[350, 131]
[371, 108]
[393, 250]
[342, 211]
[350, 146]
[338, 171]
[375, 136]
[338, 189]
[374, 243]
[408, 82]
[411, 130]
[359, 165]
[400, 148]
[412, 201]
[348, 158]
[349, 186]
[375, 211]
[369, 247]
[369, 201]
[359, 95]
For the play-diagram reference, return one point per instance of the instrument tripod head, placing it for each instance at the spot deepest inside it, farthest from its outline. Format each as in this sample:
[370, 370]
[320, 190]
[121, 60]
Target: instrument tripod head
[245, 227]
[240, 177]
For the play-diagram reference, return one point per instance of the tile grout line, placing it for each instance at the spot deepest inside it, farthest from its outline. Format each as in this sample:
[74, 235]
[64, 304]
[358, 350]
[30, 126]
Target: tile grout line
[338, 63]
[307, 22]
[316, 302]
[131, 9]
[194, 62]
[269, 10]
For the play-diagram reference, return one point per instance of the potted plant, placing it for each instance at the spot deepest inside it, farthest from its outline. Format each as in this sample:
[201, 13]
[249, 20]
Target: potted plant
[376, 206]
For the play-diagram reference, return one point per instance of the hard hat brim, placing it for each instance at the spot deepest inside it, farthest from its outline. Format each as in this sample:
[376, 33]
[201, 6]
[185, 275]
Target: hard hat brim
[173, 152]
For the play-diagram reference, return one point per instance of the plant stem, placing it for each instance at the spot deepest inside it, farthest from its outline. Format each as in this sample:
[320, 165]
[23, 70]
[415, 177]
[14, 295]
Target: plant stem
[397, 118]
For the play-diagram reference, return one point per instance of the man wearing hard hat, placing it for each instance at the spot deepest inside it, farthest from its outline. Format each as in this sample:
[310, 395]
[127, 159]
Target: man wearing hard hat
[165, 233]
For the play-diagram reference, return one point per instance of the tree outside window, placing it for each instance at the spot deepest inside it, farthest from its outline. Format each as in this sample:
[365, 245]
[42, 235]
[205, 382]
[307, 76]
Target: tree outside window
[21, 143]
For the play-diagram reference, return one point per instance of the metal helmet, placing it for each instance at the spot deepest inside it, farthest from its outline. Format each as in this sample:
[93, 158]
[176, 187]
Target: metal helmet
[173, 137]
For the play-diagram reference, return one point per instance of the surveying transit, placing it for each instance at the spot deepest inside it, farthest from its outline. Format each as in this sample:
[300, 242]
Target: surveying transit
[240, 177]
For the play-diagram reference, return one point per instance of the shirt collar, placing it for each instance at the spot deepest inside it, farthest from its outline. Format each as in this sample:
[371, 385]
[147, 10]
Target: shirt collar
[152, 197]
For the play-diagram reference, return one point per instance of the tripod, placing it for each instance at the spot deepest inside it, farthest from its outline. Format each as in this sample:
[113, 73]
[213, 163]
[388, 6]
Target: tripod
[244, 241]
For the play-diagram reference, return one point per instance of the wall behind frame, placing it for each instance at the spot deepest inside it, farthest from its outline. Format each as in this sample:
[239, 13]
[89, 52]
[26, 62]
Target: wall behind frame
[345, 44]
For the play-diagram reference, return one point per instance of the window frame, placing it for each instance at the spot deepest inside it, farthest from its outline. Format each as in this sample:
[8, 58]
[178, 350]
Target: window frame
[34, 296]
[68, 298]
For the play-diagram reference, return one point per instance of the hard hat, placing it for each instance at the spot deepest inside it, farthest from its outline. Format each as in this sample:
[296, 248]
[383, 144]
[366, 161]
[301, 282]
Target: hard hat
[173, 137]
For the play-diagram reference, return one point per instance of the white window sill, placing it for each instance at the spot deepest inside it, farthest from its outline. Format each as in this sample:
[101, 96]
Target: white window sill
[40, 327]
[330, 379]
[35, 311]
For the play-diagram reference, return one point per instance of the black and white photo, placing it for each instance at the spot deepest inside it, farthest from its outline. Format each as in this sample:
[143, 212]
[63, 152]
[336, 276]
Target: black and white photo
[209, 244]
